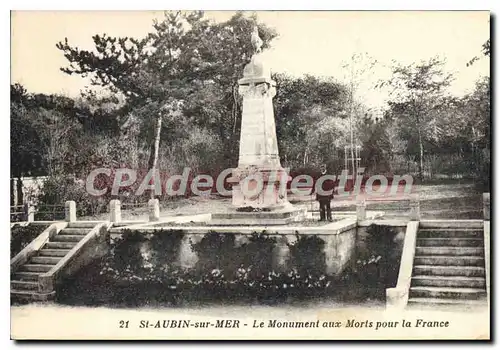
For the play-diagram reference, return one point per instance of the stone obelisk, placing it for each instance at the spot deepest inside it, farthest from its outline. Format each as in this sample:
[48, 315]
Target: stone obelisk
[259, 181]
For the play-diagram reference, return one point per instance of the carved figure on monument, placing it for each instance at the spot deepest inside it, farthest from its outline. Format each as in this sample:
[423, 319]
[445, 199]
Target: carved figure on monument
[256, 40]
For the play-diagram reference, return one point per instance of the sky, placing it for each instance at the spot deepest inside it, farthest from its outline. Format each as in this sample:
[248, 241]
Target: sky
[317, 43]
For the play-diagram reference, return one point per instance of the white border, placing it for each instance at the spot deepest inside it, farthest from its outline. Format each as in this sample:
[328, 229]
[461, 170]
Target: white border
[186, 5]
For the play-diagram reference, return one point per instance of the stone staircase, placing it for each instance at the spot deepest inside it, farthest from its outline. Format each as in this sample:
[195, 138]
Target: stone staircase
[24, 280]
[448, 268]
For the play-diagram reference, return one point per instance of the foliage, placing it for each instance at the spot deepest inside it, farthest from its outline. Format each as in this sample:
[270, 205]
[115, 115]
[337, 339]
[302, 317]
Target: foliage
[417, 93]
[22, 235]
[185, 70]
[182, 77]
[25, 151]
[309, 120]
[485, 50]
[379, 264]
[308, 255]
[255, 257]
[215, 251]
[58, 189]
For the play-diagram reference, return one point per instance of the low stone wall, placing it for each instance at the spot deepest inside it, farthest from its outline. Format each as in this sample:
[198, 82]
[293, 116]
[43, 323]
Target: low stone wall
[153, 263]
[338, 248]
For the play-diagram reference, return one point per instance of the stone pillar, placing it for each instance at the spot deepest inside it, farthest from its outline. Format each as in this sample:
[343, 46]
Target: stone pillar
[486, 206]
[360, 209]
[415, 208]
[30, 213]
[115, 212]
[70, 211]
[154, 209]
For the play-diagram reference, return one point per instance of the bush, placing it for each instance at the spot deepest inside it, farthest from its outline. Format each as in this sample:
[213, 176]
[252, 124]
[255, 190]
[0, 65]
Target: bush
[256, 256]
[308, 256]
[21, 236]
[215, 251]
[59, 189]
[377, 268]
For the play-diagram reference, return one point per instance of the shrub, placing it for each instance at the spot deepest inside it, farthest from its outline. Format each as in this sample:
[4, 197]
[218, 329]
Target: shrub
[256, 255]
[21, 236]
[215, 251]
[308, 256]
[59, 189]
[378, 267]
[165, 246]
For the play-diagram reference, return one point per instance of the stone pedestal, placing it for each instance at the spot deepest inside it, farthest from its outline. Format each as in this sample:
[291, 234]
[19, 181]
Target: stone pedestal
[70, 211]
[115, 214]
[360, 209]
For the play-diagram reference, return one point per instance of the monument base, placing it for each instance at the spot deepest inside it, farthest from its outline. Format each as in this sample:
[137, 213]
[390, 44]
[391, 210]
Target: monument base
[283, 216]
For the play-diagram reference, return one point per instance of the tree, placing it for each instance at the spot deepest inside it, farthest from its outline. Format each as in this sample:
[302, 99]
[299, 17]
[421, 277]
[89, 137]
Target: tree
[357, 69]
[25, 151]
[161, 75]
[377, 148]
[417, 91]
[477, 107]
[485, 50]
[309, 125]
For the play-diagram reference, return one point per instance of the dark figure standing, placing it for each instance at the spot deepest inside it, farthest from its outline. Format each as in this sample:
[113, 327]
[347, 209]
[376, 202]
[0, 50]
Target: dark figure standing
[325, 196]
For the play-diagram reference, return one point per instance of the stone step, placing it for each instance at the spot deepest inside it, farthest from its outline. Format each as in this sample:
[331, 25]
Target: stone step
[450, 242]
[53, 252]
[67, 238]
[443, 303]
[36, 267]
[448, 281]
[474, 271]
[457, 251]
[447, 292]
[30, 295]
[26, 276]
[50, 260]
[449, 233]
[451, 224]
[81, 224]
[451, 260]
[23, 285]
[75, 231]
[60, 245]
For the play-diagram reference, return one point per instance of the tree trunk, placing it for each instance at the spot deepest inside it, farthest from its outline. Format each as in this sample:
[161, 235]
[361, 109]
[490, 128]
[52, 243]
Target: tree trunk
[235, 108]
[417, 112]
[156, 148]
[19, 189]
[13, 190]
[421, 160]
